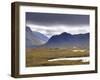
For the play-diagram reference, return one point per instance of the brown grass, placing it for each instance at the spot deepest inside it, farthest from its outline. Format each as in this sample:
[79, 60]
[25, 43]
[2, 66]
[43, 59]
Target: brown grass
[40, 57]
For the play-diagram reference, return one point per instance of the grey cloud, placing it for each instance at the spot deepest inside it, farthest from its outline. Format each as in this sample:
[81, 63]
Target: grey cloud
[49, 19]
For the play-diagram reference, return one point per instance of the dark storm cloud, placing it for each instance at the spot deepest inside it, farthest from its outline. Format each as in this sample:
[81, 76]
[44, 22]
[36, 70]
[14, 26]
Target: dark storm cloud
[49, 19]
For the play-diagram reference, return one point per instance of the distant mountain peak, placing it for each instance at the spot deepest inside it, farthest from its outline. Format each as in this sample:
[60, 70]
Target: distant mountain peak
[65, 33]
[34, 38]
[28, 28]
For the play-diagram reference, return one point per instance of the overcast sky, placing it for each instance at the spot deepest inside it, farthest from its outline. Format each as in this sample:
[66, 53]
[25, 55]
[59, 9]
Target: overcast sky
[52, 24]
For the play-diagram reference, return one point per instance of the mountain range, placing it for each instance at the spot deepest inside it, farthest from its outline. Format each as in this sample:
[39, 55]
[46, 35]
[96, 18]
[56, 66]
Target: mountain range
[64, 40]
[67, 40]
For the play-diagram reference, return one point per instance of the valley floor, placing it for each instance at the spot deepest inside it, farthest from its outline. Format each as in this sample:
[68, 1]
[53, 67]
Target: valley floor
[56, 56]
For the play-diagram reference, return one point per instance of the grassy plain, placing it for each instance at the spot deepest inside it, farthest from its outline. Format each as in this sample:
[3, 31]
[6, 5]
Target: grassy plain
[40, 56]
